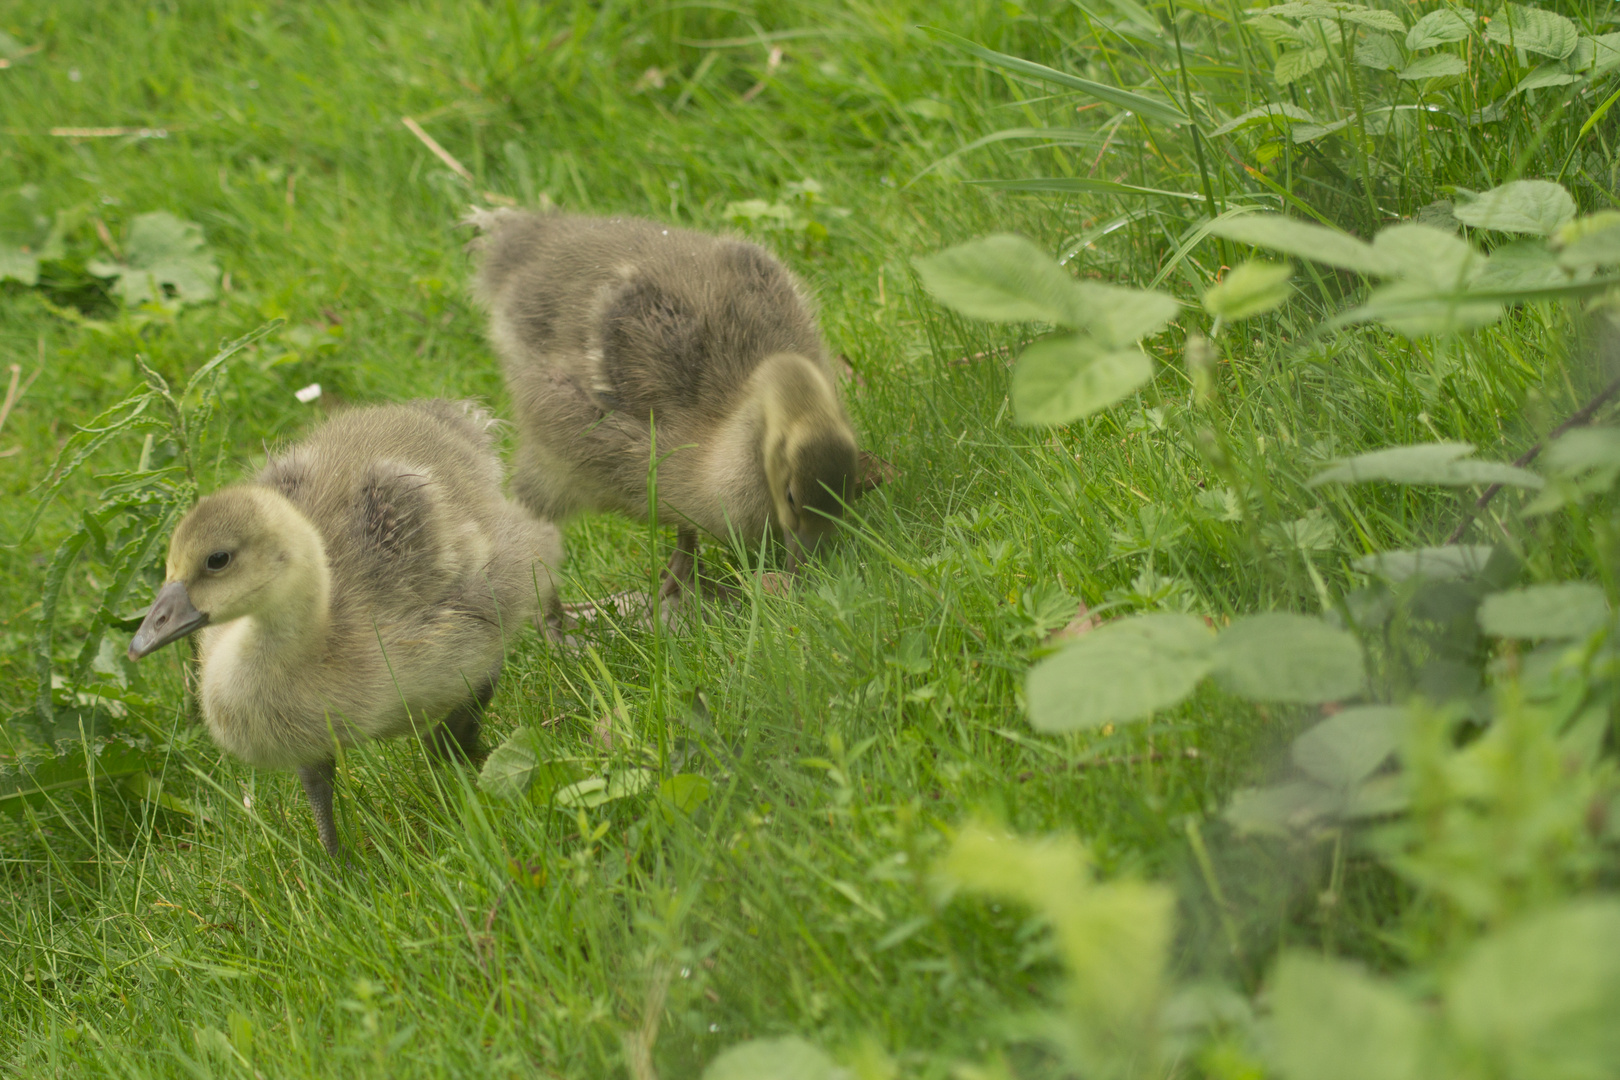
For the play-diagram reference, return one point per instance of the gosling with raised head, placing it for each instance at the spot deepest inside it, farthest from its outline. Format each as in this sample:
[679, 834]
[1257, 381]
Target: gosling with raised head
[363, 586]
[614, 330]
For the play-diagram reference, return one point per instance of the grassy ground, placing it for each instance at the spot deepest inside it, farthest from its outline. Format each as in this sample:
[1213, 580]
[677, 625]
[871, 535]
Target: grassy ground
[844, 729]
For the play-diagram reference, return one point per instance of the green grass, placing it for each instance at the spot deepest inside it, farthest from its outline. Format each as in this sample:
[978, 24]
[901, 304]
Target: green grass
[845, 729]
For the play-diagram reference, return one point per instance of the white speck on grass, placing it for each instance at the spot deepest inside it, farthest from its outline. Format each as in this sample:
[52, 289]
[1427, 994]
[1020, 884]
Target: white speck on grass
[73, 75]
[308, 393]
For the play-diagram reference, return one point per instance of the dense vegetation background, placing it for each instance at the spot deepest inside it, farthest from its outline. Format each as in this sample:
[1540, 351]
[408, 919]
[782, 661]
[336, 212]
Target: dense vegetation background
[798, 858]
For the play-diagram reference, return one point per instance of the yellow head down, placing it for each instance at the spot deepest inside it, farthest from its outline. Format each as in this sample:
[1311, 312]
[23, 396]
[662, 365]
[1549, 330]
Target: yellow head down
[809, 450]
[243, 551]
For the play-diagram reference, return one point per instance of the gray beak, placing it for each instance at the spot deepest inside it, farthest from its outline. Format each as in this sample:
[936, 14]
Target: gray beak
[172, 617]
[801, 546]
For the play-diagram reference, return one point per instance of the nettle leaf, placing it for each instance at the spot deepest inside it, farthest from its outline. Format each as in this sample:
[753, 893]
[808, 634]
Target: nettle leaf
[1002, 278]
[1425, 253]
[1252, 288]
[785, 1058]
[1536, 207]
[1590, 242]
[18, 265]
[1288, 658]
[1433, 66]
[1304, 240]
[1379, 52]
[1122, 316]
[1284, 809]
[1440, 27]
[1298, 63]
[1425, 463]
[164, 256]
[1520, 265]
[1125, 670]
[1570, 609]
[1331, 1021]
[1539, 999]
[1348, 747]
[1533, 30]
[1064, 378]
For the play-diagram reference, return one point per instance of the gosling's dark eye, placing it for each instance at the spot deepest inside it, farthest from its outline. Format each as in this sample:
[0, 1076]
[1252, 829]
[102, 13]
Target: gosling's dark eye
[219, 560]
[790, 497]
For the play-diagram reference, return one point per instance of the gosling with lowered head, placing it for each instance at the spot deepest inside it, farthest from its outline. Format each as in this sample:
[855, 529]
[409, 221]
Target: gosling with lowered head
[614, 331]
[364, 585]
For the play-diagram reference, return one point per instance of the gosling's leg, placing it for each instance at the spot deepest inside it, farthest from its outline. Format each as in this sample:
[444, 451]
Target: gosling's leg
[456, 737]
[681, 573]
[317, 780]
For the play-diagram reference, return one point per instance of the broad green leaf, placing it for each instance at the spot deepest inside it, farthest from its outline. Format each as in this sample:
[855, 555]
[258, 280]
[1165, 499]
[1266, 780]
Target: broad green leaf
[684, 792]
[510, 767]
[52, 778]
[1447, 563]
[1546, 75]
[1063, 379]
[1278, 114]
[1583, 449]
[785, 1058]
[1070, 376]
[1001, 278]
[1348, 747]
[1285, 809]
[1433, 66]
[588, 793]
[1125, 670]
[1290, 658]
[163, 254]
[1122, 316]
[1425, 463]
[1379, 52]
[18, 265]
[1147, 107]
[1249, 289]
[1590, 241]
[1533, 30]
[1304, 240]
[1276, 31]
[1569, 609]
[1522, 264]
[1415, 308]
[1425, 253]
[1298, 63]
[1330, 1021]
[1372, 19]
[1597, 55]
[1440, 27]
[1539, 999]
[1083, 185]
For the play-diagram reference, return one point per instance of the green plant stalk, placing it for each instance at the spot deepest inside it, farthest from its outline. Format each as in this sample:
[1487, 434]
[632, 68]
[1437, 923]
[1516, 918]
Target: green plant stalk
[1348, 41]
[1198, 143]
